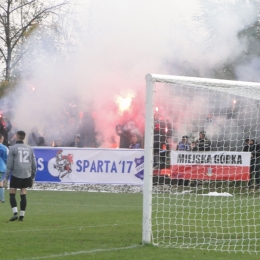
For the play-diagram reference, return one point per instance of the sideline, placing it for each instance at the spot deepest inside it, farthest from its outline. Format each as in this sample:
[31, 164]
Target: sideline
[82, 252]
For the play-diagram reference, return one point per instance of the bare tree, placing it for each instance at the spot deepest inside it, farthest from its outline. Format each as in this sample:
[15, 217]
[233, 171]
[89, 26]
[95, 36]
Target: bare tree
[18, 18]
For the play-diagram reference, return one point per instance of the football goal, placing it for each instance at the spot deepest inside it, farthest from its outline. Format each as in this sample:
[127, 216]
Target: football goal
[201, 169]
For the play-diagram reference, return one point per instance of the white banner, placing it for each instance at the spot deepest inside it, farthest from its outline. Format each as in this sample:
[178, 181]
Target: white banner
[211, 158]
[84, 165]
[210, 165]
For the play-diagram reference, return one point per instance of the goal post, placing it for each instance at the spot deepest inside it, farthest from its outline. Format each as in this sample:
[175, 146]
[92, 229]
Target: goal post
[148, 163]
[193, 197]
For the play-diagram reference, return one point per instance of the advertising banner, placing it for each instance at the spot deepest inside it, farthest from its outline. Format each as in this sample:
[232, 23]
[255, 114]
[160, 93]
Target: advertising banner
[87, 165]
[210, 165]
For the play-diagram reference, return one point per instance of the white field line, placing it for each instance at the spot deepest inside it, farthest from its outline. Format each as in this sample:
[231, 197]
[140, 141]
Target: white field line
[66, 228]
[79, 203]
[81, 252]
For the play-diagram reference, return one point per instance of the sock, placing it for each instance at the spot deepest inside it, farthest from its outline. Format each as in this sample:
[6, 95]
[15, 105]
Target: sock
[22, 213]
[15, 211]
[23, 202]
[13, 203]
[2, 194]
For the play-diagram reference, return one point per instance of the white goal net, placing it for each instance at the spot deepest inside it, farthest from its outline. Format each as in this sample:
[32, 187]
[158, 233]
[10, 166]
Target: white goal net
[201, 171]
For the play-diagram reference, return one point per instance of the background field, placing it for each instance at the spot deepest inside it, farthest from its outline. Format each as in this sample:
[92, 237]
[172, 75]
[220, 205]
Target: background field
[84, 225]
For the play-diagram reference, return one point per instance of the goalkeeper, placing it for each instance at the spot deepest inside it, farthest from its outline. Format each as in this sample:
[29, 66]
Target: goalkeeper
[21, 165]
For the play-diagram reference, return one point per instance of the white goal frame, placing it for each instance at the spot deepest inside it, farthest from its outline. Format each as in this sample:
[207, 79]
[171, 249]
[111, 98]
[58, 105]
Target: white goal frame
[246, 89]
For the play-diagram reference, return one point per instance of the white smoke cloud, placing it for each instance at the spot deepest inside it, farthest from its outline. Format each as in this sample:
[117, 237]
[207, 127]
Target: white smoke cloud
[120, 42]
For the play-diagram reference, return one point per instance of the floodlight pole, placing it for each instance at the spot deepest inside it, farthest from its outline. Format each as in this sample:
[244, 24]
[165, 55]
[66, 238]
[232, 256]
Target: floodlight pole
[148, 160]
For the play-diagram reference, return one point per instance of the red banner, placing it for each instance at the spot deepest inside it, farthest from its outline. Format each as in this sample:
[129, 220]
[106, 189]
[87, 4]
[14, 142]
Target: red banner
[211, 172]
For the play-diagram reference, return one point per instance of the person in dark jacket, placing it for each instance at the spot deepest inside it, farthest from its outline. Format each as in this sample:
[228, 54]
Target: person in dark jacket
[254, 148]
[124, 135]
[203, 143]
[77, 142]
[33, 136]
[39, 141]
[162, 131]
[5, 127]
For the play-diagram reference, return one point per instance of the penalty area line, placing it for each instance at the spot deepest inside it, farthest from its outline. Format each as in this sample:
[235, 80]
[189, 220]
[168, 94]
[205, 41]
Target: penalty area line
[82, 252]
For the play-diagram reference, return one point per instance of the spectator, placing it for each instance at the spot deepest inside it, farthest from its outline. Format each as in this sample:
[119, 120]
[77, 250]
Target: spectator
[203, 143]
[12, 135]
[40, 141]
[3, 159]
[254, 148]
[47, 135]
[124, 136]
[86, 129]
[184, 144]
[5, 127]
[193, 147]
[77, 142]
[58, 142]
[66, 133]
[134, 143]
[33, 137]
[159, 139]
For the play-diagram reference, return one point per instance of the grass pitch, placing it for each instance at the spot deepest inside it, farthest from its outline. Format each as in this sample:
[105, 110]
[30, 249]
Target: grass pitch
[83, 225]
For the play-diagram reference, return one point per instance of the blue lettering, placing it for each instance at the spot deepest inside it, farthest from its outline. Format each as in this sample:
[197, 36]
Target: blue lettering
[78, 163]
[85, 165]
[130, 165]
[113, 167]
[100, 164]
[123, 166]
[106, 163]
[93, 167]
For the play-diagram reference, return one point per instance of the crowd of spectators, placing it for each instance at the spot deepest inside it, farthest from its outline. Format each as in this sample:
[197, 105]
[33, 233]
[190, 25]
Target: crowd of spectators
[74, 132]
[72, 128]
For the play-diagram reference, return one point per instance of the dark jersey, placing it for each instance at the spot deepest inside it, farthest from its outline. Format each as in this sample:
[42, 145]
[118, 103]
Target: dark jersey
[203, 144]
[254, 149]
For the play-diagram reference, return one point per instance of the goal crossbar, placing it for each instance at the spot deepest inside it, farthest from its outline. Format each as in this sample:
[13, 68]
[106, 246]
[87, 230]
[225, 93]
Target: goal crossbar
[241, 88]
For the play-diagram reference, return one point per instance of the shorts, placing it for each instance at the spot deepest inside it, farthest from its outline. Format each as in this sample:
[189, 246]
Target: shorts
[2, 175]
[18, 183]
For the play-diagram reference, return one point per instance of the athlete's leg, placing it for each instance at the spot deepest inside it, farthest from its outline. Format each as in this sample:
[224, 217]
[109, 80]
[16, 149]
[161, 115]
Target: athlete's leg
[13, 203]
[23, 203]
[2, 191]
